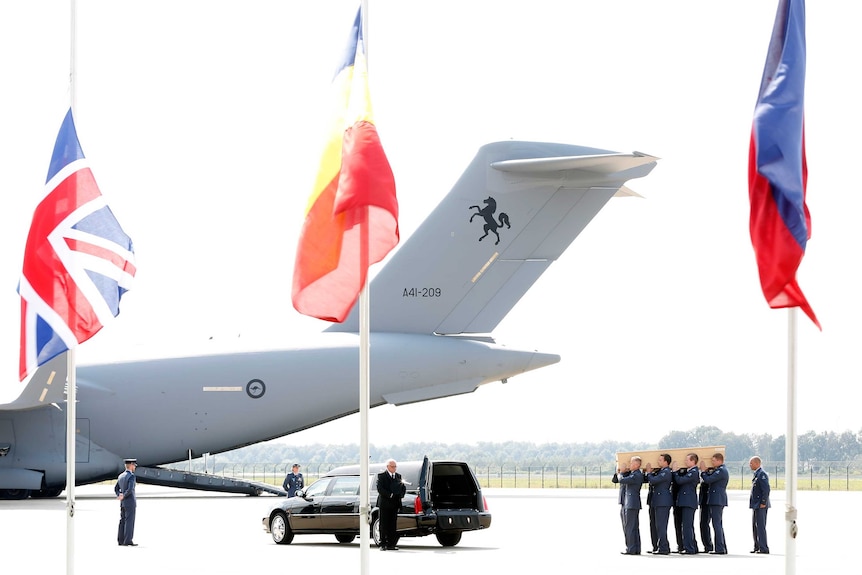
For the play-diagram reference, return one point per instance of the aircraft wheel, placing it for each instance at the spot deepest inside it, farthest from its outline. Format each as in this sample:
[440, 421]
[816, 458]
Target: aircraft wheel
[345, 537]
[47, 493]
[280, 529]
[14, 493]
[449, 539]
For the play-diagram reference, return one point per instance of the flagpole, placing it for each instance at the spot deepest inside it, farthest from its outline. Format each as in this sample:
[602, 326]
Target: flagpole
[70, 464]
[364, 361]
[790, 452]
[71, 395]
[364, 376]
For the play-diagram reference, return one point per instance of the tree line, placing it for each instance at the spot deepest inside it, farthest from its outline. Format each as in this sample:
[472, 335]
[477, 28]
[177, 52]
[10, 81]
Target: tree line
[823, 446]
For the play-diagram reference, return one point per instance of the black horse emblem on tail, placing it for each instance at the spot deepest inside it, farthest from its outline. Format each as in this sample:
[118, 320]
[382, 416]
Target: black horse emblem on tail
[491, 224]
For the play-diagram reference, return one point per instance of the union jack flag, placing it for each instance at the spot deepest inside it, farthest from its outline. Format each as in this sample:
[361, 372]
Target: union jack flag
[78, 261]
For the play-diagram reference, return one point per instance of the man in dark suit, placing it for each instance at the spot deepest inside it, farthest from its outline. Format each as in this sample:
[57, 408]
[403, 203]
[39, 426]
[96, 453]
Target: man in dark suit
[687, 479]
[390, 491]
[632, 478]
[717, 480]
[294, 481]
[662, 500]
[759, 504]
[125, 492]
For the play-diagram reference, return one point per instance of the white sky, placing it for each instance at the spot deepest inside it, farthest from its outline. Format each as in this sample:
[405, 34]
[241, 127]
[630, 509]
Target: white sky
[202, 121]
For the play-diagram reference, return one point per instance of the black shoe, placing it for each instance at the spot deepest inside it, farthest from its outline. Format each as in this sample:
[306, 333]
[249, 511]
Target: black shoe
[754, 551]
[688, 552]
[718, 552]
[764, 552]
[627, 553]
[393, 548]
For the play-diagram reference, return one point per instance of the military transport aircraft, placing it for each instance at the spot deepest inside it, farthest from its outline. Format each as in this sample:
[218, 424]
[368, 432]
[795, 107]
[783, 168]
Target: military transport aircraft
[434, 306]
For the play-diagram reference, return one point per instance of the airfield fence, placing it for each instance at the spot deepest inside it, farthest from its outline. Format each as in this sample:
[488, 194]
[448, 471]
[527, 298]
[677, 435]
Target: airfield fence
[811, 475]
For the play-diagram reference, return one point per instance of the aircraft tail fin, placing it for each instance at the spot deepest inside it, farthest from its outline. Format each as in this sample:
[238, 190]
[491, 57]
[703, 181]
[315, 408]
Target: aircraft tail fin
[513, 212]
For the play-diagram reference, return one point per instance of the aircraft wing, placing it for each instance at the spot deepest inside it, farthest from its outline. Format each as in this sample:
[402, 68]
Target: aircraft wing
[46, 386]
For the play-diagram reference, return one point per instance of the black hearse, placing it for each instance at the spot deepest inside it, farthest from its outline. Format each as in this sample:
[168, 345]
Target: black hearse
[443, 498]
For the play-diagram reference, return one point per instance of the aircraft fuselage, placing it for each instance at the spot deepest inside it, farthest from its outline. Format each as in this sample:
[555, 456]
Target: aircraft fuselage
[164, 410]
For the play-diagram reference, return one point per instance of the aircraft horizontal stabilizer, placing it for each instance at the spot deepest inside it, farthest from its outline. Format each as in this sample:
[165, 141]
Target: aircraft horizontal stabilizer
[432, 392]
[626, 192]
[605, 164]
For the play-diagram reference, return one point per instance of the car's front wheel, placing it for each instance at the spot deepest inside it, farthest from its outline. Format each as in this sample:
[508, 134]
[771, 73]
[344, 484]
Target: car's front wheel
[344, 537]
[449, 539]
[280, 529]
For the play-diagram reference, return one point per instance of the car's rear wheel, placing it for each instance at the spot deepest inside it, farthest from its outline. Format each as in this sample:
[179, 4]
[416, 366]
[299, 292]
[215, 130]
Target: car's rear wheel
[449, 539]
[280, 529]
[375, 532]
[345, 537]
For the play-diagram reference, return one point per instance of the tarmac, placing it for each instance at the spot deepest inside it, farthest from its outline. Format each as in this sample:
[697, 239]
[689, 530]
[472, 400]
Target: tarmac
[540, 530]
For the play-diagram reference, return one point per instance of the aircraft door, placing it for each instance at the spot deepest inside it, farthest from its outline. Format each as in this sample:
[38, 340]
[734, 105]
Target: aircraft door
[82, 441]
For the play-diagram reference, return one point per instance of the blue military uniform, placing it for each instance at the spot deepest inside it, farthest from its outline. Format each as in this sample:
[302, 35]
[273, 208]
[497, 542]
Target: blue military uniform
[632, 481]
[759, 496]
[705, 534]
[125, 491]
[662, 500]
[677, 517]
[621, 499]
[716, 499]
[653, 533]
[293, 483]
[686, 499]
